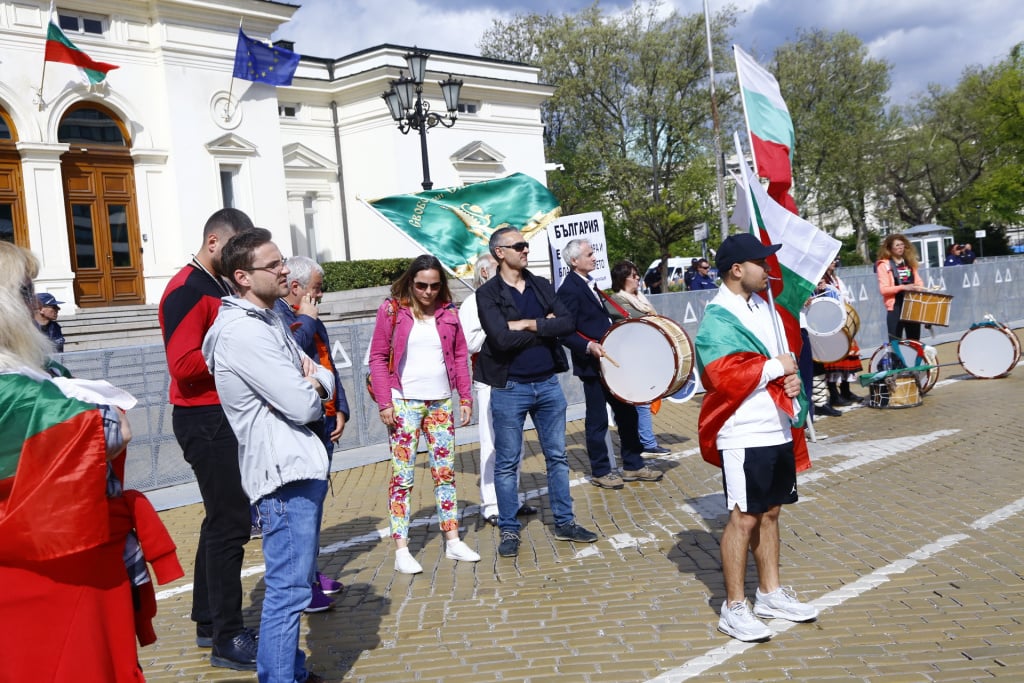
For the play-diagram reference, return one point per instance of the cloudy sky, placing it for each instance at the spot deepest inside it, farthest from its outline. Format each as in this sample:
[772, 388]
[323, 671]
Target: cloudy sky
[926, 41]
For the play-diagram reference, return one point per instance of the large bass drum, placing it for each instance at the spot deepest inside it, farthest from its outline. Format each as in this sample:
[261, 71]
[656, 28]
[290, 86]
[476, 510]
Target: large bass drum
[988, 350]
[652, 357]
[910, 351]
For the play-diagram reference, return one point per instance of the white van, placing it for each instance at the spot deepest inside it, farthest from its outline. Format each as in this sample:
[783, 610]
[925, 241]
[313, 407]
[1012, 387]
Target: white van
[677, 265]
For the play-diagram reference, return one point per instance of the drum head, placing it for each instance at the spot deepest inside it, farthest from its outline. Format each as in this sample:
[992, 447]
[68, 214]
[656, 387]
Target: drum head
[825, 316]
[830, 349]
[987, 352]
[909, 351]
[646, 357]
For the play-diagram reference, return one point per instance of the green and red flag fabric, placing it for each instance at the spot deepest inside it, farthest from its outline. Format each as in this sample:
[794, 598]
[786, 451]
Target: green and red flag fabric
[770, 126]
[730, 360]
[53, 471]
[60, 49]
[455, 224]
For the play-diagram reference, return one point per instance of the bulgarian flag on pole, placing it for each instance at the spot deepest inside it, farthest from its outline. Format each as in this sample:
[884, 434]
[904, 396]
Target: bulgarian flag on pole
[60, 49]
[770, 127]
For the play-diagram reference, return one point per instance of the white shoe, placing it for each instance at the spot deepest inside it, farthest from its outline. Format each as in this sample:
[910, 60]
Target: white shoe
[737, 621]
[405, 563]
[458, 550]
[782, 604]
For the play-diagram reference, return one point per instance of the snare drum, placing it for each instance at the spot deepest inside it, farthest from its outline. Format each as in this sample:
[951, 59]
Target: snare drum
[930, 308]
[910, 350]
[655, 358]
[895, 391]
[988, 350]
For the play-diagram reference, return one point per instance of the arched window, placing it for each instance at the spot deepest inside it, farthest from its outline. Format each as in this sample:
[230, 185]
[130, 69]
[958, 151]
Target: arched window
[88, 125]
[6, 130]
[12, 197]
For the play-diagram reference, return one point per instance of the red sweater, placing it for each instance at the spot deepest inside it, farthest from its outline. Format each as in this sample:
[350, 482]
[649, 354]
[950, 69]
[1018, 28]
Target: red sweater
[187, 310]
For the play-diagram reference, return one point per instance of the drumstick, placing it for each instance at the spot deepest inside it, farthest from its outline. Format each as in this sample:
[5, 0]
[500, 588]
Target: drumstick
[610, 359]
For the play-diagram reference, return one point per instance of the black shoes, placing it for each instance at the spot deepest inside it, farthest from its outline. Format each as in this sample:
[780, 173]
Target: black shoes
[239, 653]
[826, 410]
[204, 635]
[574, 532]
[509, 546]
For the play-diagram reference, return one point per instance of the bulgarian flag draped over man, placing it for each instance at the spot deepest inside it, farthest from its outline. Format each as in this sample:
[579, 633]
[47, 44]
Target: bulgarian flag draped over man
[729, 358]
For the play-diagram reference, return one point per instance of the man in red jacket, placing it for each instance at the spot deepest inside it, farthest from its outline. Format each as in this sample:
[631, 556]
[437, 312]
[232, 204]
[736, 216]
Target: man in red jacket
[187, 310]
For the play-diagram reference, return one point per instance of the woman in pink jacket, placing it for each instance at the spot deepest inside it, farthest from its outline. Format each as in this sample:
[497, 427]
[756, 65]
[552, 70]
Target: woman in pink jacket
[897, 273]
[417, 356]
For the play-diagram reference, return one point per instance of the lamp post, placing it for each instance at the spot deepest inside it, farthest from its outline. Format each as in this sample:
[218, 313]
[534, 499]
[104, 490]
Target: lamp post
[405, 102]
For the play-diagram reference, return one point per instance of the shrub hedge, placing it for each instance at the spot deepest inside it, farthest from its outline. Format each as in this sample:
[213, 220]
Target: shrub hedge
[340, 276]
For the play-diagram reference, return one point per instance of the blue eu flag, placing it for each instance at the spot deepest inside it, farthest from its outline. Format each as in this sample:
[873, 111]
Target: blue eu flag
[255, 61]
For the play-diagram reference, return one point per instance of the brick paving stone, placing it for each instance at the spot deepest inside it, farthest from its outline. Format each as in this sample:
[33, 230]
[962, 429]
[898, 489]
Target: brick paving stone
[644, 599]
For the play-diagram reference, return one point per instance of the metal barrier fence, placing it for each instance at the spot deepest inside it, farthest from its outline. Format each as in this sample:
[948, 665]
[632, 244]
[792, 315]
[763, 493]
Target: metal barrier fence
[995, 286]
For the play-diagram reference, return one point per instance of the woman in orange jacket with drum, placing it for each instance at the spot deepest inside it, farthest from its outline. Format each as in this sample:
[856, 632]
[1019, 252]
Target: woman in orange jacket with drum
[897, 273]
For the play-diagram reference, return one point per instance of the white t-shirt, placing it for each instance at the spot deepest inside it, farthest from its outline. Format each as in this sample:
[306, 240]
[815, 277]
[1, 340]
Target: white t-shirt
[422, 370]
[758, 421]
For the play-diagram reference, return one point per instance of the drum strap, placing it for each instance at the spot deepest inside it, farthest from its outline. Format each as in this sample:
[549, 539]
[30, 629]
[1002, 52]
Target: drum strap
[615, 305]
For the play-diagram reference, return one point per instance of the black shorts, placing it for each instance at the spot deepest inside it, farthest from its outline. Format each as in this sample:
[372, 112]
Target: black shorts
[757, 479]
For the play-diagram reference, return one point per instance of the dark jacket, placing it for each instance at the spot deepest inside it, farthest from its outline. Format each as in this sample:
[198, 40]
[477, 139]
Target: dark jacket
[496, 308]
[311, 336]
[591, 319]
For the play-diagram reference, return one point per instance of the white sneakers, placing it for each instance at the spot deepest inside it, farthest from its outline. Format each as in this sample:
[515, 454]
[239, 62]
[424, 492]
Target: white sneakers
[458, 550]
[782, 604]
[739, 621]
[405, 563]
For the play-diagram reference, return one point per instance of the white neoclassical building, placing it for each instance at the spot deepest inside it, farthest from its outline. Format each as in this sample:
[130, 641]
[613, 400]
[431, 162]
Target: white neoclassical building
[110, 185]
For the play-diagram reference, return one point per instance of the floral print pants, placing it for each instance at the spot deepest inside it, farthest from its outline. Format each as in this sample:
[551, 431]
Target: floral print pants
[434, 419]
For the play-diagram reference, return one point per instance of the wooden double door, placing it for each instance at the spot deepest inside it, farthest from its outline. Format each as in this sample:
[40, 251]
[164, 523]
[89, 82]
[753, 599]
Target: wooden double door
[103, 228]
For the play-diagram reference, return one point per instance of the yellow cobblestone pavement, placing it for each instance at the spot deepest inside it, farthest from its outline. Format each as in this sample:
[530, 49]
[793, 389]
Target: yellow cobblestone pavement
[908, 535]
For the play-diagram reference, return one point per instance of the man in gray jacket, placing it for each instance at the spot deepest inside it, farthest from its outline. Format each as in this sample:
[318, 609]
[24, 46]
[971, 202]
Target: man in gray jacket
[271, 391]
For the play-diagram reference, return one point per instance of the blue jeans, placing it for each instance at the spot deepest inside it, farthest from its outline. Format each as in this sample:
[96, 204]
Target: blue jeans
[291, 536]
[645, 426]
[545, 403]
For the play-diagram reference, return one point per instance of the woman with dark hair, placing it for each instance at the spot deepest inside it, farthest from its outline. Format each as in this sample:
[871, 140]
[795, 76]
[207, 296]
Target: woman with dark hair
[897, 272]
[417, 356]
[626, 293]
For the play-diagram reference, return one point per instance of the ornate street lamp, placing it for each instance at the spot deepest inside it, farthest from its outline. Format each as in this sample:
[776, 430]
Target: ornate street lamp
[405, 103]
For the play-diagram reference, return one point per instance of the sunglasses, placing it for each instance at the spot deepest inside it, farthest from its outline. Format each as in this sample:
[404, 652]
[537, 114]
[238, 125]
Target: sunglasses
[424, 286]
[518, 246]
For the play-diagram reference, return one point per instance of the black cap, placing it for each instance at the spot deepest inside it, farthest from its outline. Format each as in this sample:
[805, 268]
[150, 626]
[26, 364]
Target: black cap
[742, 247]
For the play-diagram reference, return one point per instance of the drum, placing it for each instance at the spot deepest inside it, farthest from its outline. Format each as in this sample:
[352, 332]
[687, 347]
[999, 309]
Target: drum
[654, 357]
[690, 387]
[910, 350]
[988, 350]
[930, 308]
[895, 391]
[826, 329]
[852, 325]
[825, 316]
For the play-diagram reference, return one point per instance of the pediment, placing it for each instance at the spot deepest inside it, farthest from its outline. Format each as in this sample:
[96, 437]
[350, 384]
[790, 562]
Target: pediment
[477, 152]
[298, 157]
[232, 145]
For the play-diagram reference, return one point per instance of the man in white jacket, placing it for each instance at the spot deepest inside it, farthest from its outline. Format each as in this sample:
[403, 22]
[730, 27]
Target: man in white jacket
[271, 391]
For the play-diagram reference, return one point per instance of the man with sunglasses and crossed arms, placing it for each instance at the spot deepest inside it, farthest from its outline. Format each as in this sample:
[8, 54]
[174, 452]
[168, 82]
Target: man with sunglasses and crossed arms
[520, 360]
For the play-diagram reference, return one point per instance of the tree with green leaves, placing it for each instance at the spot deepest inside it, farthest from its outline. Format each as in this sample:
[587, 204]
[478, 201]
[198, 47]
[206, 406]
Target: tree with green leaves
[836, 96]
[629, 119]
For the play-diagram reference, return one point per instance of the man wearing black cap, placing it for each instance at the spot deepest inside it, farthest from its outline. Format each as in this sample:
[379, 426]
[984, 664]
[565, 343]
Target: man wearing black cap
[46, 319]
[744, 428]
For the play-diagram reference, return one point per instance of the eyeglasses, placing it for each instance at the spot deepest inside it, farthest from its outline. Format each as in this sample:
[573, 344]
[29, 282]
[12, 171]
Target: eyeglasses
[424, 286]
[702, 267]
[272, 267]
[518, 246]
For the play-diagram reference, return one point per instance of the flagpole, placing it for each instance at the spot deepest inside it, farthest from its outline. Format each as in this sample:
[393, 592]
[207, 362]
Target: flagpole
[42, 78]
[780, 338]
[231, 87]
[418, 245]
[717, 132]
